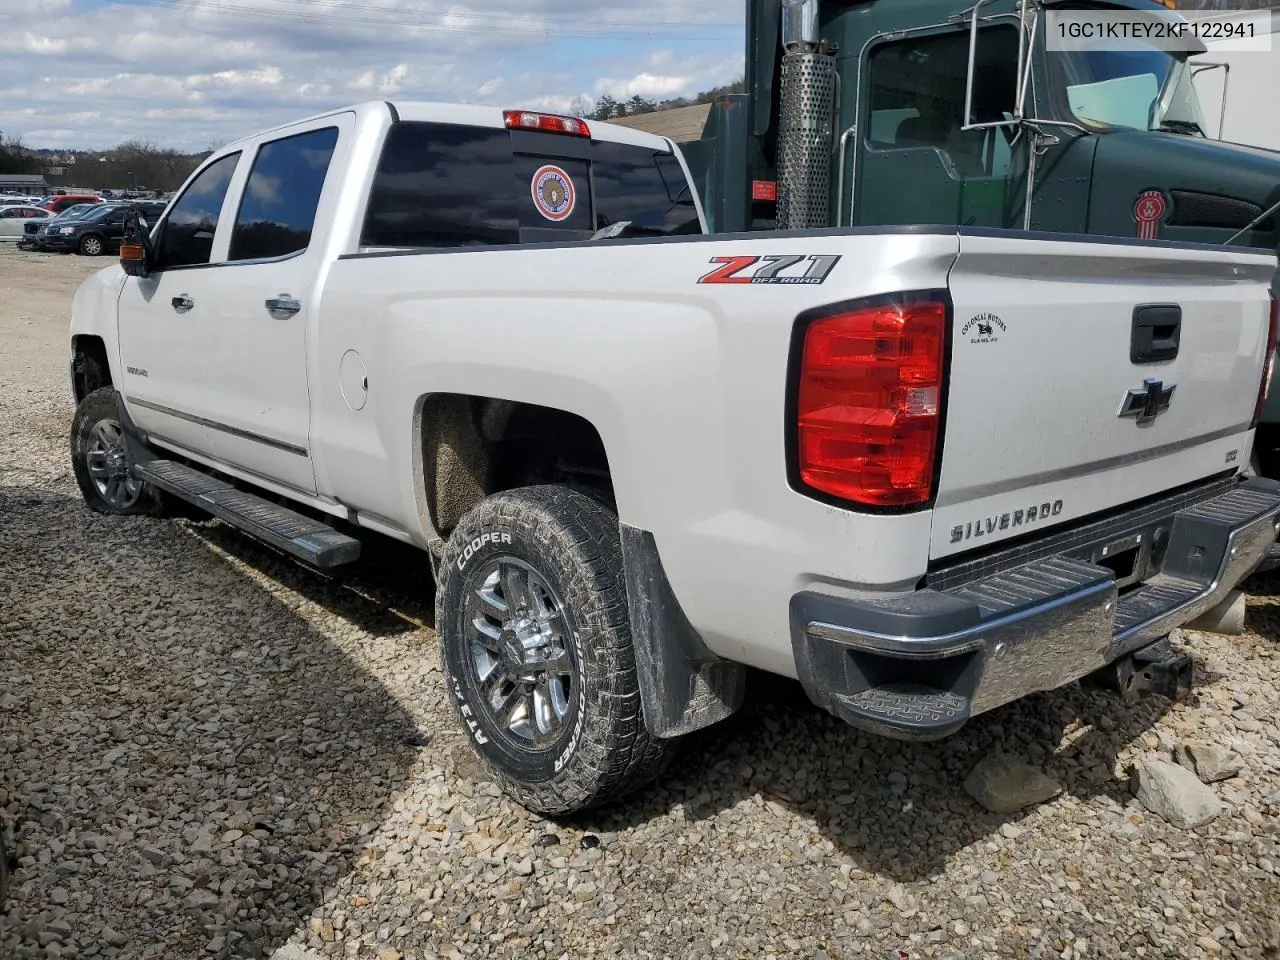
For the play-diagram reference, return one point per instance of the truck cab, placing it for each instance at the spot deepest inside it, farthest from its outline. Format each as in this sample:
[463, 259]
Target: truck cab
[1113, 140]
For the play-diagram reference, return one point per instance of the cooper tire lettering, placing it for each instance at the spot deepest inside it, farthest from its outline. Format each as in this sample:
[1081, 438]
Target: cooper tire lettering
[479, 542]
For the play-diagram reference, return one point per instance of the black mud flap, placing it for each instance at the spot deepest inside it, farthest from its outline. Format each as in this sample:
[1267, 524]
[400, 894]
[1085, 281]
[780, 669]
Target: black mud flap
[683, 685]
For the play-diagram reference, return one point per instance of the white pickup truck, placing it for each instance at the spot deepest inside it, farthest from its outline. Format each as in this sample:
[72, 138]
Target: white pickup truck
[924, 471]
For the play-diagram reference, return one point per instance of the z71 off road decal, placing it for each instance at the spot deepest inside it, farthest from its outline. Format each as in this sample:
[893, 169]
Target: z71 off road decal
[791, 268]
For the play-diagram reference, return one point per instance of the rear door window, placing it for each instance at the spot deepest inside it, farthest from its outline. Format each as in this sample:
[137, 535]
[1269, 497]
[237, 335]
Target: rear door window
[278, 207]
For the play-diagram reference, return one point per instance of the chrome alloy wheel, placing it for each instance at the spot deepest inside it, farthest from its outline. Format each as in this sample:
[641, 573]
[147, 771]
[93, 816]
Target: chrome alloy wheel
[108, 465]
[520, 645]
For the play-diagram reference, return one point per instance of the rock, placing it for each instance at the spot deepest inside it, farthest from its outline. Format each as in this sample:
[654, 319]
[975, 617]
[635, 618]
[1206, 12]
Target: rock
[1005, 785]
[903, 900]
[291, 951]
[1210, 762]
[202, 844]
[154, 855]
[200, 900]
[522, 868]
[1174, 793]
[112, 938]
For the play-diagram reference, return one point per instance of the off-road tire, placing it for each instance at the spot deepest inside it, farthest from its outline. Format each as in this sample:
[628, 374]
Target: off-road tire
[99, 407]
[92, 245]
[571, 541]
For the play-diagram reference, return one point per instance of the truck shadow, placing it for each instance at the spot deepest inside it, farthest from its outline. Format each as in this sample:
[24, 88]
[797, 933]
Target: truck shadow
[896, 809]
[387, 592]
[187, 761]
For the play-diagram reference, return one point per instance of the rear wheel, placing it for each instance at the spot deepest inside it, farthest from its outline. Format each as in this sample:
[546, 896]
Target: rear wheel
[536, 644]
[92, 246]
[101, 462]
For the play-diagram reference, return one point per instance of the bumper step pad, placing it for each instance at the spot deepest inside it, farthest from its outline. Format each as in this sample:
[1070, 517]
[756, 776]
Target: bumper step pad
[309, 540]
[899, 710]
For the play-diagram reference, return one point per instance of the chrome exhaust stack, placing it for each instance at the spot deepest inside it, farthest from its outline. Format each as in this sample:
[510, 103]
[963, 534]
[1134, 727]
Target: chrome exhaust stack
[806, 122]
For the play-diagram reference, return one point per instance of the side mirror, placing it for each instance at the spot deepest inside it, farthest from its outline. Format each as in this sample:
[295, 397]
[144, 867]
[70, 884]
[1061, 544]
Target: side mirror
[1022, 76]
[1198, 70]
[136, 254]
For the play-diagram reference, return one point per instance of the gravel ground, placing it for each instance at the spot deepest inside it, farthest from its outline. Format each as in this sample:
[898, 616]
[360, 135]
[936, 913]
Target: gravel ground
[208, 751]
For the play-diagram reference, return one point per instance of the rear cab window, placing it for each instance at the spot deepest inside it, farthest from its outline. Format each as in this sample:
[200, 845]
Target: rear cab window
[451, 185]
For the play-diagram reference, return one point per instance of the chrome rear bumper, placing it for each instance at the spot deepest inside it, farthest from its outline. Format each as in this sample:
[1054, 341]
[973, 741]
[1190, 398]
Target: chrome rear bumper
[919, 666]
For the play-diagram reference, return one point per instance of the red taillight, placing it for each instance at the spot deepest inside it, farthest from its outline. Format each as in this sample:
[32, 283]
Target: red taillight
[869, 406]
[1269, 362]
[546, 122]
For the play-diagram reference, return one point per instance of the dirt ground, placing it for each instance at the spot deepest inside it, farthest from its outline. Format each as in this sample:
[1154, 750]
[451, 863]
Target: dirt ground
[209, 751]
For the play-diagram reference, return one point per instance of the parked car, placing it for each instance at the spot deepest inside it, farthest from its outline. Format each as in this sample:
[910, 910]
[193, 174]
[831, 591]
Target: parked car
[58, 204]
[14, 218]
[98, 230]
[33, 231]
[542, 382]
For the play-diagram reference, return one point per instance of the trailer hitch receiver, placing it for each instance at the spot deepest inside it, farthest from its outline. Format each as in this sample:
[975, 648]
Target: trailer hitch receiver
[1159, 668]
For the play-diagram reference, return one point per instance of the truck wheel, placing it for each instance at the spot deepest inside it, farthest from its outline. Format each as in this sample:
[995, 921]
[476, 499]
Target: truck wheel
[92, 246]
[535, 641]
[101, 462]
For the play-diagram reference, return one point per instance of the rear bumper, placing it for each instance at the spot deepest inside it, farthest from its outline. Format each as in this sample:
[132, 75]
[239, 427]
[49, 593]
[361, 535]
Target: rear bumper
[988, 631]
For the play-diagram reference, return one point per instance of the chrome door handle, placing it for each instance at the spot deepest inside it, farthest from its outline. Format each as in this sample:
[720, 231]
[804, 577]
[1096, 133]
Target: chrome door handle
[283, 306]
[182, 303]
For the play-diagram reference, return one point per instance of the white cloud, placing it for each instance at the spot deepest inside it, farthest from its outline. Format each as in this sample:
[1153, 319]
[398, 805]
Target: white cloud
[644, 85]
[188, 74]
[393, 81]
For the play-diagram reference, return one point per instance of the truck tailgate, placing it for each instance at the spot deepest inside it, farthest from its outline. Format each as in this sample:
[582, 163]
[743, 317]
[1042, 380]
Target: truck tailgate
[1067, 396]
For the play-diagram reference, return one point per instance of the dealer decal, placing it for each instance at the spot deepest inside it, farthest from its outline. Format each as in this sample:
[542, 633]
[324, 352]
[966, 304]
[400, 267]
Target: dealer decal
[553, 193]
[791, 268]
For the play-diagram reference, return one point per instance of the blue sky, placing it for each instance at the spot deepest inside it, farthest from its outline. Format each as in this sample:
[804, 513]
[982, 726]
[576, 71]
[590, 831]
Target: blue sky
[190, 73]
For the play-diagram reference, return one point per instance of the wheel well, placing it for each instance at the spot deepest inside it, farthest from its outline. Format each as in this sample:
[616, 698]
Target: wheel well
[473, 447]
[90, 368]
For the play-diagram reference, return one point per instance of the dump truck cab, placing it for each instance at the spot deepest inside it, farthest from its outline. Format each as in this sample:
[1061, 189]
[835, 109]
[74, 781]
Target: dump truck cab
[934, 112]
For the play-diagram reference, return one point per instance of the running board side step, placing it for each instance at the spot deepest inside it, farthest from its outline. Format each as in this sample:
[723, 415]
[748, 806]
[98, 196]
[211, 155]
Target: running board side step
[309, 540]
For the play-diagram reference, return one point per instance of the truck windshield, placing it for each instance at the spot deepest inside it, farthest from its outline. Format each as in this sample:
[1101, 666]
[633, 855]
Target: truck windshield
[1142, 89]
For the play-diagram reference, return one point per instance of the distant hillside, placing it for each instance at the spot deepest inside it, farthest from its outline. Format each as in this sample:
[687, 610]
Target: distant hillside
[679, 124]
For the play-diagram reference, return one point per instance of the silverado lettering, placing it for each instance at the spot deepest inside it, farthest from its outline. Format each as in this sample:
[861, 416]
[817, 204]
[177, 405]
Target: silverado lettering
[1005, 521]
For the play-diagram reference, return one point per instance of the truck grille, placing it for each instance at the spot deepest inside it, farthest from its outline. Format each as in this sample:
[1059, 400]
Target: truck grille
[1194, 209]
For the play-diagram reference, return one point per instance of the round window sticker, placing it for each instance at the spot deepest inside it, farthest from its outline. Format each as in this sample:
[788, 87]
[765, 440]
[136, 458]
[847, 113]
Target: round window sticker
[553, 193]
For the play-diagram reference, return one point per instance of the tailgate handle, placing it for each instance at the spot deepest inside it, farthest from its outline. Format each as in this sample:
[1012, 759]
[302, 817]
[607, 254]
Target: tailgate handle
[1156, 329]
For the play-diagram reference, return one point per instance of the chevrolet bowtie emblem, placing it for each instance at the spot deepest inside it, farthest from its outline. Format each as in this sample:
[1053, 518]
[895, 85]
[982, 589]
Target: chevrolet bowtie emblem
[1148, 402]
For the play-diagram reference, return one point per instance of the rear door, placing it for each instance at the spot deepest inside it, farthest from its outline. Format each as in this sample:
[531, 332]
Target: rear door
[262, 302]
[1085, 376]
